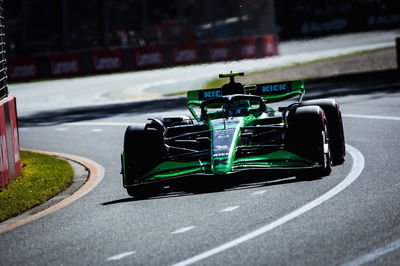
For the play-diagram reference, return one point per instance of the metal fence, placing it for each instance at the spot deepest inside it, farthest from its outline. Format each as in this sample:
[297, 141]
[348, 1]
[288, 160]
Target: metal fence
[3, 64]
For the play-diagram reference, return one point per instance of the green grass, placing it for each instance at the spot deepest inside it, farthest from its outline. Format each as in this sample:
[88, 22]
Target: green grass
[43, 177]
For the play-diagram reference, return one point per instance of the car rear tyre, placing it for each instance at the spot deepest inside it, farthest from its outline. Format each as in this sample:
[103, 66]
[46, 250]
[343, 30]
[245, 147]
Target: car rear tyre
[335, 127]
[308, 137]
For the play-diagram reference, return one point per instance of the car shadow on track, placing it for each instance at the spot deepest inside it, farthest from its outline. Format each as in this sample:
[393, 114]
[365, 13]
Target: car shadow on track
[239, 182]
[88, 113]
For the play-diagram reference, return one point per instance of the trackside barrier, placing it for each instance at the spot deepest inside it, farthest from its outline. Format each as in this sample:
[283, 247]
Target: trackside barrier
[218, 50]
[22, 67]
[3, 61]
[65, 65]
[269, 45]
[398, 51]
[147, 57]
[185, 53]
[10, 162]
[247, 48]
[106, 61]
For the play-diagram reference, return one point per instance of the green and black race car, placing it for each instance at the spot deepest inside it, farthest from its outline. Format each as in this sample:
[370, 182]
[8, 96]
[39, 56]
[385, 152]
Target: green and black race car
[236, 128]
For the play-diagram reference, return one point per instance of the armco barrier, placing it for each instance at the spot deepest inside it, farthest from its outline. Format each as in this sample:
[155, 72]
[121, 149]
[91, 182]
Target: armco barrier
[147, 57]
[10, 162]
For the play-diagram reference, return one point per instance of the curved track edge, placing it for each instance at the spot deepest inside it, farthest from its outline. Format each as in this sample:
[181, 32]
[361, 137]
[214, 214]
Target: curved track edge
[95, 176]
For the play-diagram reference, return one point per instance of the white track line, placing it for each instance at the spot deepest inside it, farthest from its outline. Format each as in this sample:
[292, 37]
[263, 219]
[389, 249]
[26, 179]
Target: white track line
[379, 117]
[183, 230]
[260, 192]
[122, 255]
[229, 209]
[374, 255]
[358, 166]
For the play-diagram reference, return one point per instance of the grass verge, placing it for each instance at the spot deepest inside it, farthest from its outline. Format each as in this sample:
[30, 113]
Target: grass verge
[43, 177]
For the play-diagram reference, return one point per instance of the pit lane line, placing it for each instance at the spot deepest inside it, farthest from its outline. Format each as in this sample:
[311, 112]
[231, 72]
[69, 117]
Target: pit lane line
[358, 166]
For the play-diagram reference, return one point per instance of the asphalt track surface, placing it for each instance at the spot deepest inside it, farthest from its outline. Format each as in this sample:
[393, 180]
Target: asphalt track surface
[351, 217]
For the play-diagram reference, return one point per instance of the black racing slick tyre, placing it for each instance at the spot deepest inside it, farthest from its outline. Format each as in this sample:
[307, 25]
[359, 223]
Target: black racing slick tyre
[308, 138]
[335, 127]
[143, 150]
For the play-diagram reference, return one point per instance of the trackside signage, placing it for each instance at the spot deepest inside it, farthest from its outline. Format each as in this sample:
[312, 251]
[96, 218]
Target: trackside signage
[64, 64]
[99, 61]
[10, 162]
[13, 132]
[107, 61]
[269, 45]
[185, 54]
[149, 57]
[218, 50]
[247, 47]
[22, 67]
[4, 166]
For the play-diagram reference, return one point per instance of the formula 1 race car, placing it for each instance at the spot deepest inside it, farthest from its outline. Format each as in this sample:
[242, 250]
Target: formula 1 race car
[236, 128]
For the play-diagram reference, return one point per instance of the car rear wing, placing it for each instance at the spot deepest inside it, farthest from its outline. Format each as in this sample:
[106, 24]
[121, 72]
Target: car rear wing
[276, 92]
[270, 92]
[194, 98]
